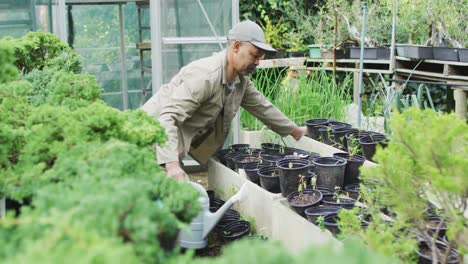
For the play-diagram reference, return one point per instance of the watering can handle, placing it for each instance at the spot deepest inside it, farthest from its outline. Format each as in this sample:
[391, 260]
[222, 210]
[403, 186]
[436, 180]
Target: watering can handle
[199, 188]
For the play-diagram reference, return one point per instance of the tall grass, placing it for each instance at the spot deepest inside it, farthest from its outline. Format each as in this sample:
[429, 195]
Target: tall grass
[301, 98]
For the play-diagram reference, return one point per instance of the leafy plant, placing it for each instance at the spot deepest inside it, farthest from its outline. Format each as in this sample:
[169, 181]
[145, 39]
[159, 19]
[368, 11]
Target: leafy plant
[318, 95]
[417, 169]
[8, 71]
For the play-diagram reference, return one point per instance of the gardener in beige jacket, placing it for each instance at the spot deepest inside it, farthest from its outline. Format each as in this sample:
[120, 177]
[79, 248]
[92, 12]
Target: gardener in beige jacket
[197, 106]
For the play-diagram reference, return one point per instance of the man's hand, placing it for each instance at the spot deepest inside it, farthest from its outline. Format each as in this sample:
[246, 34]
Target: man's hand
[174, 170]
[298, 132]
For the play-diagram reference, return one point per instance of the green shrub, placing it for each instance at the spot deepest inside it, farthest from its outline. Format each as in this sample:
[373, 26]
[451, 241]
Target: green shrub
[8, 71]
[37, 50]
[424, 163]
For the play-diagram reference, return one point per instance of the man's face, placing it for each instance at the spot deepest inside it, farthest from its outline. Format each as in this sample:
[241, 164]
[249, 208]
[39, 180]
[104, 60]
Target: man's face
[249, 57]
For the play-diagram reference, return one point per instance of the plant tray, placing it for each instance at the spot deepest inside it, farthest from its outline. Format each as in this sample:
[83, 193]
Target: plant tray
[415, 52]
[445, 54]
[371, 53]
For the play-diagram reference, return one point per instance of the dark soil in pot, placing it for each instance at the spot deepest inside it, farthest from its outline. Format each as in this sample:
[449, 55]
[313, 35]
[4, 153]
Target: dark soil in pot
[269, 179]
[290, 172]
[330, 171]
[300, 201]
[354, 162]
[346, 203]
[313, 126]
[220, 155]
[242, 160]
[369, 145]
[236, 230]
[425, 253]
[312, 213]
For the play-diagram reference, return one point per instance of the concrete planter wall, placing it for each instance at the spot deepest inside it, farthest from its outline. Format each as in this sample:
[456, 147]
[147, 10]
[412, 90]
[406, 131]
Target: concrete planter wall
[271, 213]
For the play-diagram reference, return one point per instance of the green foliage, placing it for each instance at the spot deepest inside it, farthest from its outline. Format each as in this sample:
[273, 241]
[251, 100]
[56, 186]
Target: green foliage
[52, 239]
[417, 169]
[128, 201]
[51, 130]
[274, 33]
[271, 252]
[72, 90]
[8, 71]
[37, 50]
[301, 98]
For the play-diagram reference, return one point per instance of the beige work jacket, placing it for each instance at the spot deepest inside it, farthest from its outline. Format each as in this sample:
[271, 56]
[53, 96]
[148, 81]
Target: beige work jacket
[196, 108]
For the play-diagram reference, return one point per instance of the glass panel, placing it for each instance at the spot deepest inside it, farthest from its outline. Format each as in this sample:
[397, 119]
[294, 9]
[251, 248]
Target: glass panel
[184, 18]
[18, 17]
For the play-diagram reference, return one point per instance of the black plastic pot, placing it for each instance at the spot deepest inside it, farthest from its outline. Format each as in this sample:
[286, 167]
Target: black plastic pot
[296, 152]
[269, 179]
[369, 145]
[353, 190]
[271, 158]
[211, 194]
[338, 135]
[432, 224]
[326, 191]
[272, 148]
[251, 170]
[354, 136]
[236, 230]
[300, 208]
[353, 163]
[239, 147]
[224, 221]
[230, 163]
[313, 213]
[445, 53]
[220, 155]
[330, 222]
[242, 160]
[425, 254]
[290, 172]
[215, 204]
[330, 171]
[313, 126]
[325, 135]
[346, 203]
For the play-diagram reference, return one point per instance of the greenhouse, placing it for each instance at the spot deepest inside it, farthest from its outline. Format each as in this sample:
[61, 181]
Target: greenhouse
[233, 131]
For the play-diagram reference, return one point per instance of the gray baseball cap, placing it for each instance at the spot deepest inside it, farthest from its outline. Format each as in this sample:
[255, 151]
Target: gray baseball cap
[248, 30]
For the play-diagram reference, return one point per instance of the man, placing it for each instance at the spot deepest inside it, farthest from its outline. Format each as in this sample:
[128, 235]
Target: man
[197, 106]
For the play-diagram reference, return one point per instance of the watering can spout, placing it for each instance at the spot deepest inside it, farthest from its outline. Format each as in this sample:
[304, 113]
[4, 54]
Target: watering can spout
[206, 221]
[211, 219]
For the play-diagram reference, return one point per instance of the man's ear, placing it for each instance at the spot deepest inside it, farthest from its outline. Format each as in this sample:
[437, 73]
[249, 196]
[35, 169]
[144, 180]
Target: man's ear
[236, 45]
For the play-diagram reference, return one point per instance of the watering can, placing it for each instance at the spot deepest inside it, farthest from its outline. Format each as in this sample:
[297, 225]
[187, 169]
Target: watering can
[205, 221]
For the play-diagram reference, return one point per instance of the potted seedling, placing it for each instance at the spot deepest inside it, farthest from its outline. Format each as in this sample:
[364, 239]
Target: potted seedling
[303, 198]
[330, 171]
[340, 199]
[289, 171]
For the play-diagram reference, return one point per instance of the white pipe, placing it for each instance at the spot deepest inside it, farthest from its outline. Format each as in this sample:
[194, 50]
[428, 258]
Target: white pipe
[156, 44]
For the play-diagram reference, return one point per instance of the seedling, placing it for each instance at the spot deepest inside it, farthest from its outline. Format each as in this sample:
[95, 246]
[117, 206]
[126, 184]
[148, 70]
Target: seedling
[313, 182]
[302, 184]
[321, 222]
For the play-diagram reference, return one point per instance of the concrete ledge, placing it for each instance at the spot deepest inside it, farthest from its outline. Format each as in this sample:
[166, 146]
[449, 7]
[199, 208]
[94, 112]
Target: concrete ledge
[271, 214]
